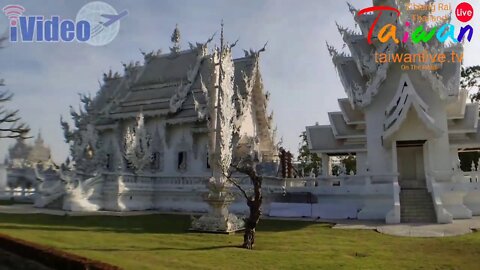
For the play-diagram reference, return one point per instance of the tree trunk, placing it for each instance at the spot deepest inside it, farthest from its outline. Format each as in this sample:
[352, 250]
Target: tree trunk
[251, 224]
[255, 213]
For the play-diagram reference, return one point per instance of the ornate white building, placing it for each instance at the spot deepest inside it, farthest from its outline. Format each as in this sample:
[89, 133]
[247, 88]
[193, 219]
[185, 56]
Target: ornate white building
[154, 136]
[161, 136]
[22, 161]
[405, 128]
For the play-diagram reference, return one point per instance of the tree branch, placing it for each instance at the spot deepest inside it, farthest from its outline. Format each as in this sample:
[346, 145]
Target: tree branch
[16, 129]
[239, 187]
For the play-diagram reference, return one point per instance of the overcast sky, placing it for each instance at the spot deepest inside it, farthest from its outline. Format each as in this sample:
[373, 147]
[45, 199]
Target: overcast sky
[296, 67]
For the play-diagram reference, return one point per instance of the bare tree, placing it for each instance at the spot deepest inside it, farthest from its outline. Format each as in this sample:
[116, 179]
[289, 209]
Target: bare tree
[10, 125]
[247, 166]
[470, 80]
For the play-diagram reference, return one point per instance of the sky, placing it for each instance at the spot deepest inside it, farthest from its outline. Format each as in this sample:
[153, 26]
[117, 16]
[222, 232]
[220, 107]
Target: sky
[296, 68]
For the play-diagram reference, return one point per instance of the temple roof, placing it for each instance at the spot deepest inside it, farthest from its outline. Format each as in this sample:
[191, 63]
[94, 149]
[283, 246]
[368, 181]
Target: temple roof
[347, 127]
[341, 129]
[167, 68]
[466, 140]
[38, 152]
[351, 115]
[456, 109]
[322, 140]
[362, 76]
[150, 87]
[406, 99]
[468, 123]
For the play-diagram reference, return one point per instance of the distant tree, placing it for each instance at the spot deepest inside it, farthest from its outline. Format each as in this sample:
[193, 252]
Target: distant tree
[308, 161]
[10, 125]
[470, 80]
[466, 159]
[348, 162]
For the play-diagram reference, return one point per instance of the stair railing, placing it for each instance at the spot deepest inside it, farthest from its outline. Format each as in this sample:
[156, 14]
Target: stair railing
[443, 216]
[393, 216]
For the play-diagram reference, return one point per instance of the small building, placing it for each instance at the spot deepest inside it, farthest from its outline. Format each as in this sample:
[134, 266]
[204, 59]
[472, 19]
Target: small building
[404, 124]
[22, 161]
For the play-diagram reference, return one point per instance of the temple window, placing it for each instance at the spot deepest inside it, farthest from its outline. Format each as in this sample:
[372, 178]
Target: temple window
[129, 165]
[156, 161]
[108, 162]
[207, 161]
[182, 161]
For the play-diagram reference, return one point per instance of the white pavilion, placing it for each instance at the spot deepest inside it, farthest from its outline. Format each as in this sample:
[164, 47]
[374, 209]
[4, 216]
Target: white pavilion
[405, 127]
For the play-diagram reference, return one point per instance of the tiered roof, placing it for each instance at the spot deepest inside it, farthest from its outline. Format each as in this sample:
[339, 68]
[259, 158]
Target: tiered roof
[361, 78]
[176, 85]
[151, 87]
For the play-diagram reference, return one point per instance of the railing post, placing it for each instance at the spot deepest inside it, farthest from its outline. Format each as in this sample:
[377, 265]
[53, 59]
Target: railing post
[368, 179]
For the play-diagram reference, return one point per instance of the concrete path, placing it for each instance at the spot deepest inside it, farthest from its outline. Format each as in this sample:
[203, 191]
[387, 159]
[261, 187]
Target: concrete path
[29, 209]
[458, 227]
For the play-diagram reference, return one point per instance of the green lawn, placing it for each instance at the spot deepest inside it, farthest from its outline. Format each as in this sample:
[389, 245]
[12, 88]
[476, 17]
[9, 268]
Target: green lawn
[162, 242]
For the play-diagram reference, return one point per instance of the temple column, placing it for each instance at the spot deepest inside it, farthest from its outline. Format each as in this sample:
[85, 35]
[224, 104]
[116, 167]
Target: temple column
[326, 165]
[454, 159]
[360, 163]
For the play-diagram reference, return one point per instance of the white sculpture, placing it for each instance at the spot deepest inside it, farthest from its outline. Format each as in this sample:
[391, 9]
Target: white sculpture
[222, 127]
[75, 195]
[137, 145]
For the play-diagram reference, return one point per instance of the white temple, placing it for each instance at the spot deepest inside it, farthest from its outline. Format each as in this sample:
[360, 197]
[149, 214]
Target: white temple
[405, 127]
[163, 134]
[20, 165]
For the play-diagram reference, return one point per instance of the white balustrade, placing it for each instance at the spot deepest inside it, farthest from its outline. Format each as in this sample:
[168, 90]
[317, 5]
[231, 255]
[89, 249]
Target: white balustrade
[471, 177]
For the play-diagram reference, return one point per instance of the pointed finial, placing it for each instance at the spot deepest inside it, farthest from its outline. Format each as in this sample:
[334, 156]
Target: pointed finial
[352, 9]
[39, 139]
[331, 50]
[176, 38]
[341, 29]
[221, 35]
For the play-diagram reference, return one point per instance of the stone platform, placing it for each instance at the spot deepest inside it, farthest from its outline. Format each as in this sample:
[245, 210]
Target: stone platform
[458, 227]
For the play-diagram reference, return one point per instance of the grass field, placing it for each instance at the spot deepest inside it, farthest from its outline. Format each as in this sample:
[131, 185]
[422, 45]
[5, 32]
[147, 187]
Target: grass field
[162, 242]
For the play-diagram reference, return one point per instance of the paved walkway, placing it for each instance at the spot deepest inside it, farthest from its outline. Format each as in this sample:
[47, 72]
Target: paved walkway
[29, 209]
[458, 227]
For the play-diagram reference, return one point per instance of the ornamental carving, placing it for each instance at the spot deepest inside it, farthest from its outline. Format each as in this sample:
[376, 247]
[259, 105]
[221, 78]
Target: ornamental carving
[137, 145]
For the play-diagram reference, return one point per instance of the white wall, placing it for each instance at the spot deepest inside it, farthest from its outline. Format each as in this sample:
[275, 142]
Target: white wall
[3, 177]
[379, 156]
[175, 138]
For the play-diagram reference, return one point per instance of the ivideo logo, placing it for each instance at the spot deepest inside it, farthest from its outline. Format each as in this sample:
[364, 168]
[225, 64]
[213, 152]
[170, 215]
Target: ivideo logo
[97, 23]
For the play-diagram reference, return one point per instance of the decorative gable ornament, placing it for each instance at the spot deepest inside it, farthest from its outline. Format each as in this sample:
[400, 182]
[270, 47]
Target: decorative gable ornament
[137, 145]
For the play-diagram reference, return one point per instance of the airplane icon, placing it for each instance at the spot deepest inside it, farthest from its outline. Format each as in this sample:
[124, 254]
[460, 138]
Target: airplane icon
[112, 18]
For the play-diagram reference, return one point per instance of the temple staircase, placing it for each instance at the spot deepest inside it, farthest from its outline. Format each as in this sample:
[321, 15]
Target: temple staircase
[416, 206]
